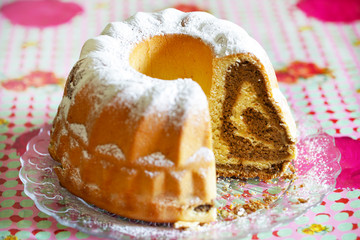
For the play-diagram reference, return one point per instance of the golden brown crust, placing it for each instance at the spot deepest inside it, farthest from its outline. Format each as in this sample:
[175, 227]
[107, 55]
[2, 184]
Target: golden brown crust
[171, 191]
[136, 207]
[183, 190]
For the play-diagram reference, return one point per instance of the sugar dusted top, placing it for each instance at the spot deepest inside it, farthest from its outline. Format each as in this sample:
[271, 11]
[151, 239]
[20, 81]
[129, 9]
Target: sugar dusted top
[106, 58]
[224, 37]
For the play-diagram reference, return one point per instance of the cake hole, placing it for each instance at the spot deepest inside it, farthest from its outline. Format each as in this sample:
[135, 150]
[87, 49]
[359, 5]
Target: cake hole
[174, 56]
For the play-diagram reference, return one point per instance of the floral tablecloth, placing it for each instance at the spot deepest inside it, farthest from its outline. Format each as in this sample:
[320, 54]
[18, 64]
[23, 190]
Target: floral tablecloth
[314, 46]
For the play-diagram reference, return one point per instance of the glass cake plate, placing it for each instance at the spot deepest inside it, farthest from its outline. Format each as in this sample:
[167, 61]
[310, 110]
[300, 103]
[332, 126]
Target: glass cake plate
[243, 206]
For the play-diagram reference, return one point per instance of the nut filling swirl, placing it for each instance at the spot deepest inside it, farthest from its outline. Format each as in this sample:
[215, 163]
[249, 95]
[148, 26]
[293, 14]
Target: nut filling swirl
[263, 126]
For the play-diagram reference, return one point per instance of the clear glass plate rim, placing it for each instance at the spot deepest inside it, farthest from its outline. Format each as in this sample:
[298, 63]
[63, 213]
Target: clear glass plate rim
[46, 128]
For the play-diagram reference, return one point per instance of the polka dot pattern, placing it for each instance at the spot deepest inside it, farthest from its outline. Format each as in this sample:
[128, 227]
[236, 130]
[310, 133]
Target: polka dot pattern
[18, 213]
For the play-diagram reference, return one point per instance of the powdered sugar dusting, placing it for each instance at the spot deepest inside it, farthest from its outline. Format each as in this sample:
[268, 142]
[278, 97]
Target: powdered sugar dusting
[63, 132]
[203, 154]
[73, 143]
[224, 37]
[178, 174]
[85, 154]
[172, 98]
[80, 131]
[65, 105]
[108, 57]
[65, 160]
[63, 111]
[195, 200]
[130, 171]
[203, 172]
[111, 150]
[75, 177]
[155, 159]
[151, 174]
[93, 187]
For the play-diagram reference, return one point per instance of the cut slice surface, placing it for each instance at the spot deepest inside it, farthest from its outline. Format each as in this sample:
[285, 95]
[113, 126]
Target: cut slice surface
[250, 135]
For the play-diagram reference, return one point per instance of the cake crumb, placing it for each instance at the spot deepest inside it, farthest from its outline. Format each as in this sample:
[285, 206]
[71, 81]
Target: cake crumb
[268, 200]
[225, 187]
[253, 206]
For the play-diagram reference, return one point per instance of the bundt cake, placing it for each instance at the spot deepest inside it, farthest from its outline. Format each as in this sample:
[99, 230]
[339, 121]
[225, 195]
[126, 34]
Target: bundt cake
[150, 105]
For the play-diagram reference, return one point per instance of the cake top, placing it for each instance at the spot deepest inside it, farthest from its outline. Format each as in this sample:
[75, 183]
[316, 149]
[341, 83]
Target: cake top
[224, 37]
[106, 58]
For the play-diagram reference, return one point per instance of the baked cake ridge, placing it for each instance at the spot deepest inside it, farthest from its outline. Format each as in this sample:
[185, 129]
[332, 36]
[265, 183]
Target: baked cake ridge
[105, 77]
